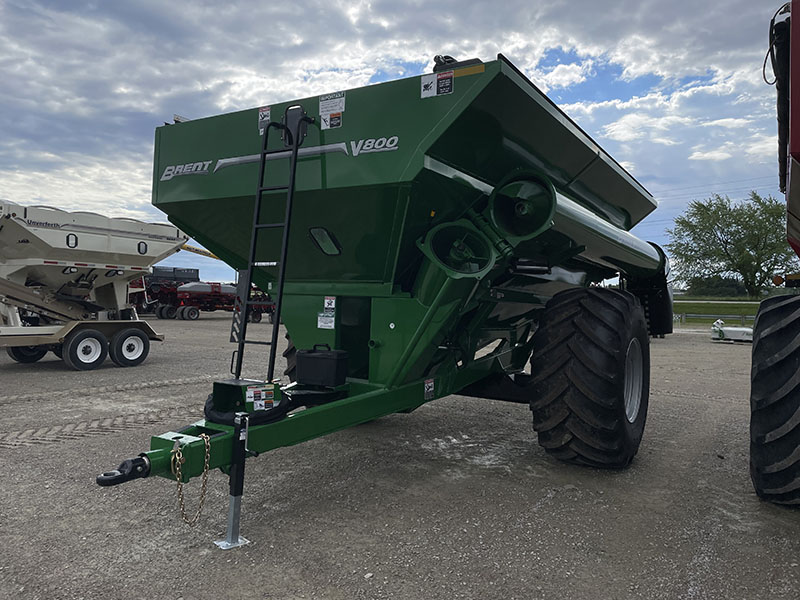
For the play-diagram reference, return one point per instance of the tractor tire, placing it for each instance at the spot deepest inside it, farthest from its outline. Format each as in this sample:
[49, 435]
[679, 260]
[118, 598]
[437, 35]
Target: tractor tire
[591, 377]
[290, 354]
[191, 313]
[775, 401]
[27, 354]
[85, 349]
[129, 347]
[169, 311]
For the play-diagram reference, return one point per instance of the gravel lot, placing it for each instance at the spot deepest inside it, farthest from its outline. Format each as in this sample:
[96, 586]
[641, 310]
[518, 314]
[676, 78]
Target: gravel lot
[455, 500]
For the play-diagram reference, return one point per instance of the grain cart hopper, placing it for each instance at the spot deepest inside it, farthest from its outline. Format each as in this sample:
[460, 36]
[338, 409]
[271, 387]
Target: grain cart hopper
[64, 284]
[441, 232]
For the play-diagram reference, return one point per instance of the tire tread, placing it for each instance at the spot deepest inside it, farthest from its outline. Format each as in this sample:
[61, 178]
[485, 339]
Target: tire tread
[576, 377]
[775, 401]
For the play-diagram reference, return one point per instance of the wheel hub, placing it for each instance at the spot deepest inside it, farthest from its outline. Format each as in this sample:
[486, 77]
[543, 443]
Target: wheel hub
[633, 380]
[89, 350]
[132, 348]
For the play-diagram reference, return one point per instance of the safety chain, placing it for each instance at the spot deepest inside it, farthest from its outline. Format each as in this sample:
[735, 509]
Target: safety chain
[177, 462]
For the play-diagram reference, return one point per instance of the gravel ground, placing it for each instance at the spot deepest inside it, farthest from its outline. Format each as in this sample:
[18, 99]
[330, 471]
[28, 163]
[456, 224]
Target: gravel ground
[455, 500]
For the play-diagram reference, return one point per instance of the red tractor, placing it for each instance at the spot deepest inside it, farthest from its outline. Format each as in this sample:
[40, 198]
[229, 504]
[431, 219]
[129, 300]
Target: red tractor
[775, 375]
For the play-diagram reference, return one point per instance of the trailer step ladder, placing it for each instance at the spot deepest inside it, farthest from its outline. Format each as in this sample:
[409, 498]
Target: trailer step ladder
[293, 129]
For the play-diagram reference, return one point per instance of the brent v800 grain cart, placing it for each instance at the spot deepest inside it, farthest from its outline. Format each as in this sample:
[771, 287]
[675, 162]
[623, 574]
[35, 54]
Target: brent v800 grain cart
[64, 284]
[423, 237]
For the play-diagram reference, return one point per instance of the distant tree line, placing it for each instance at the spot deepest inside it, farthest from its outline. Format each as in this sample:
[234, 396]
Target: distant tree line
[718, 244]
[716, 285]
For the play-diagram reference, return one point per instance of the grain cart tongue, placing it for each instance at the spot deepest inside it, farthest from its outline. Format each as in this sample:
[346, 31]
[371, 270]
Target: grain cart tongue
[421, 237]
[64, 284]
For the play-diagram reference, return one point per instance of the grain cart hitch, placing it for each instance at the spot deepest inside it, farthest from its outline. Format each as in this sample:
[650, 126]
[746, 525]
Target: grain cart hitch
[445, 246]
[132, 468]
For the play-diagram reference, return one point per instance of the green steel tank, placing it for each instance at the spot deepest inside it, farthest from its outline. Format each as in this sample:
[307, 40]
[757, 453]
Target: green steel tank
[449, 234]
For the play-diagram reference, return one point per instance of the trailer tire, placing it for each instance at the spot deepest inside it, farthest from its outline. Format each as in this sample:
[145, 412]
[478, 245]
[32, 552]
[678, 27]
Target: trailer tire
[271, 318]
[27, 354]
[191, 313]
[255, 317]
[290, 354]
[180, 313]
[591, 377]
[129, 347]
[775, 401]
[85, 349]
[169, 311]
[159, 311]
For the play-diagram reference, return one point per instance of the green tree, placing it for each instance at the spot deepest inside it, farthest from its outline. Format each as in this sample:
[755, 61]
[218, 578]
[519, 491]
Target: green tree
[746, 240]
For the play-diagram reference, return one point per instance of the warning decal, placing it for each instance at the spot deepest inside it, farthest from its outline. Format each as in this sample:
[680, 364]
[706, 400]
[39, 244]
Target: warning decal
[262, 397]
[331, 121]
[326, 320]
[331, 103]
[331, 107]
[429, 389]
[263, 119]
[436, 84]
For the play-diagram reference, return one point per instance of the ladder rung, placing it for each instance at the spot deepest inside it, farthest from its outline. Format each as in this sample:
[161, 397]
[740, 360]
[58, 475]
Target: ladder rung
[268, 225]
[273, 188]
[258, 343]
[268, 263]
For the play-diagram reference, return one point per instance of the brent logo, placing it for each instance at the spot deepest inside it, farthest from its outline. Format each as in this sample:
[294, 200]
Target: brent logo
[193, 168]
[381, 144]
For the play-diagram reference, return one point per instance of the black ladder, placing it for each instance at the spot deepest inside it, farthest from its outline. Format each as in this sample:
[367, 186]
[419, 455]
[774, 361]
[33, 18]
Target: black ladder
[293, 131]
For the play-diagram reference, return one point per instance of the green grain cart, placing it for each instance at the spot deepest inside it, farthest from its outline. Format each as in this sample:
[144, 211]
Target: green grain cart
[423, 237]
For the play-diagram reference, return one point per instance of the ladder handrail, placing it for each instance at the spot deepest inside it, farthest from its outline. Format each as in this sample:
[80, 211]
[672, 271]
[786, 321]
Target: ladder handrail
[251, 256]
[242, 315]
[276, 318]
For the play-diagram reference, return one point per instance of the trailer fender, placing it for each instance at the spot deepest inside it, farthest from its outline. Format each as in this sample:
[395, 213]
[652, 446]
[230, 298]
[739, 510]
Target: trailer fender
[655, 294]
[109, 328]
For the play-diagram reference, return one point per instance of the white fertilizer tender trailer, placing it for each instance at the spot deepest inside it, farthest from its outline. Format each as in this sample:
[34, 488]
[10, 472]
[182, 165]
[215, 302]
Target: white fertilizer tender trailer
[64, 284]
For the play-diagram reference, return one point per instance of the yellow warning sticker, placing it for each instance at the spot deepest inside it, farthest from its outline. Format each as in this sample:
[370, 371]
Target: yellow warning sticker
[471, 70]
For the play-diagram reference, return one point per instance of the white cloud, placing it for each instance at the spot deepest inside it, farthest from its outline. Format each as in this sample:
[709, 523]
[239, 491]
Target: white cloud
[110, 186]
[730, 123]
[566, 75]
[714, 155]
[628, 128]
[85, 82]
[635, 126]
[764, 147]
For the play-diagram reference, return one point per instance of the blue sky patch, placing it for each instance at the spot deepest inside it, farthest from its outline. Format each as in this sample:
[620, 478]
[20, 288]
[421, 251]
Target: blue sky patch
[398, 70]
[603, 83]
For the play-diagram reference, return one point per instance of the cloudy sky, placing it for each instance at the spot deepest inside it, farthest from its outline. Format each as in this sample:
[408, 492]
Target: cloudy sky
[672, 90]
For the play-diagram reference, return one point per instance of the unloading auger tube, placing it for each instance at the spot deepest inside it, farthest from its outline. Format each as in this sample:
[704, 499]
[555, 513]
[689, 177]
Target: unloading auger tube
[419, 266]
